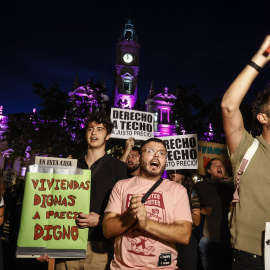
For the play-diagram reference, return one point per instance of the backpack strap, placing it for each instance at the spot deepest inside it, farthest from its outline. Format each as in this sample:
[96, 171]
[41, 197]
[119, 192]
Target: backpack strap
[243, 166]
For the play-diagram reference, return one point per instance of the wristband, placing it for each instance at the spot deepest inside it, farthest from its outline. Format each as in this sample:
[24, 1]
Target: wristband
[255, 66]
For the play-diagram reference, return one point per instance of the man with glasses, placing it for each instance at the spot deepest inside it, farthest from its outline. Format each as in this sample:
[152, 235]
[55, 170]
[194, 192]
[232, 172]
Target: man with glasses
[145, 229]
[131, 157]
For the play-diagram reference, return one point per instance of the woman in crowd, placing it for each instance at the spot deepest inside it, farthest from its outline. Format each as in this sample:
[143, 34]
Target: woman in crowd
[187, 254]
[215, 194]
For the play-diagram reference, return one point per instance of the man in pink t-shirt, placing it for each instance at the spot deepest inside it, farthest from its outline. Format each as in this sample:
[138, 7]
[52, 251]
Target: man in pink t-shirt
[145, 233]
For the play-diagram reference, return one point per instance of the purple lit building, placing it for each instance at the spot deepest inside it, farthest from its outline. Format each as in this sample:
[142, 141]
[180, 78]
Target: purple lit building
[125, 92]
[161, 105]
[126, 80]
[126, 68]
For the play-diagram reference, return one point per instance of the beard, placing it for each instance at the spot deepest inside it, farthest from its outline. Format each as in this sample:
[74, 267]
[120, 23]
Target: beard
[152, 172]
[132, 168]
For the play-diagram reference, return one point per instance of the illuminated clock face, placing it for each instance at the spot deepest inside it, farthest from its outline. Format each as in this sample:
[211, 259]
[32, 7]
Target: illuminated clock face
[128, 57]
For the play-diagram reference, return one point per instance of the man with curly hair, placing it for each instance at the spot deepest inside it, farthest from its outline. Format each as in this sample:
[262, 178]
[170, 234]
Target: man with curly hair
[105, 172]
[252, 211]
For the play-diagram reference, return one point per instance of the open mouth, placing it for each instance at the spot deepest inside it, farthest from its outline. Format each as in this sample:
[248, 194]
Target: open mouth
[130, 163]
[154, 164]
[219, 171]
[93, 139]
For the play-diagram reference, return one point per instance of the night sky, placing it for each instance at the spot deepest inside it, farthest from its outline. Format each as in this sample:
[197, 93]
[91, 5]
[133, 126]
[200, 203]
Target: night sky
[201, 43]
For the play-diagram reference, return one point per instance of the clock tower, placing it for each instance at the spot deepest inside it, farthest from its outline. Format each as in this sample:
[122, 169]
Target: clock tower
[126, 68]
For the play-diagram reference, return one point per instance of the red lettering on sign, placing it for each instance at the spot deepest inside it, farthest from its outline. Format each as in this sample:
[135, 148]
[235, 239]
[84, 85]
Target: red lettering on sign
[36, 216]
[72, 198]
[55, 232]
[35, 183]
[37, 199]
[205, 161]
[42, 188]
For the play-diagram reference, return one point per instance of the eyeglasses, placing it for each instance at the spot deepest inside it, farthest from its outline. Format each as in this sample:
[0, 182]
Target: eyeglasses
[132, 156]
[218, 165]
[152, 151]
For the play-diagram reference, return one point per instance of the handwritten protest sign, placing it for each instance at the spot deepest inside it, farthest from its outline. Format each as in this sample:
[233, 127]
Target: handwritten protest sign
[130, 123]
[209, 150]
[53, 199]
[182, 151]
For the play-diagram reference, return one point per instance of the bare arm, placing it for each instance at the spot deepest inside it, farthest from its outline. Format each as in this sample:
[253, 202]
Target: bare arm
[2, 210]
[115, 224]
[178, 232]
[232, 117]
[196, 216]
[130, 142]
[207, 210]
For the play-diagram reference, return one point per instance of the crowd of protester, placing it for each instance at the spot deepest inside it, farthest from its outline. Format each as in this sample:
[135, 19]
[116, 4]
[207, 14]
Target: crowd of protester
[191, 228]
[190, 256]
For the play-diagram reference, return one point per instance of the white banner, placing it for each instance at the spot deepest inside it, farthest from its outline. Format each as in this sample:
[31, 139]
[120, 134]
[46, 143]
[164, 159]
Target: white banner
[130, 123]
[182, 151]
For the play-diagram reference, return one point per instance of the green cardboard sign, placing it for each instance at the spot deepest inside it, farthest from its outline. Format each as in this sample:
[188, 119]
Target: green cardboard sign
[51, 205]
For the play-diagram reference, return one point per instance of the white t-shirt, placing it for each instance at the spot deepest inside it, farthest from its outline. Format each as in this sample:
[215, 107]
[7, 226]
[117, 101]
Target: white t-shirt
[137, 249]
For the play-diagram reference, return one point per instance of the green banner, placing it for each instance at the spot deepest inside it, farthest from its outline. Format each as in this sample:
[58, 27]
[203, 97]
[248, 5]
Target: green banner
[51, 204]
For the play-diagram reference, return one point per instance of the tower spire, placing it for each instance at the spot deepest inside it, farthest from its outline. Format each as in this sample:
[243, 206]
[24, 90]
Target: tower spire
[151, 92]
[129, 31]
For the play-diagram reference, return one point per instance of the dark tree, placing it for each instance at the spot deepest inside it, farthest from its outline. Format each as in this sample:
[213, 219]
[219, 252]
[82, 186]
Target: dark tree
[211, 115]
[186, 110]
[58, 128]
[55, 102]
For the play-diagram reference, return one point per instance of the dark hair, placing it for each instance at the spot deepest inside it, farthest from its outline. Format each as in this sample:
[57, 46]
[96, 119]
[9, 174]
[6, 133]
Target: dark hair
[208, 165]
[100, 117]
[135, 148]
[260, 105]
[152, 140]
[187, 180]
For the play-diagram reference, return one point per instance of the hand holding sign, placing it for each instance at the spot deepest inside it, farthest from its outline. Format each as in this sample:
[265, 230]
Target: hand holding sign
[130, 142]
[88, 220]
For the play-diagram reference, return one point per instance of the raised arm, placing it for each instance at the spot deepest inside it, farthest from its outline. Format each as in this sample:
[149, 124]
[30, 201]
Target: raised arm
[232, 117]
[130, 142]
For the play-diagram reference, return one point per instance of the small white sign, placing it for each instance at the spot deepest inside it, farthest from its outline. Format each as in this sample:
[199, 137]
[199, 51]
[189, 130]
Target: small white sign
[56, 162]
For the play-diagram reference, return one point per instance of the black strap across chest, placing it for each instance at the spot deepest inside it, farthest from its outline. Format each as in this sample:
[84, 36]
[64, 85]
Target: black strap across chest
[100, 163]
[149, 192]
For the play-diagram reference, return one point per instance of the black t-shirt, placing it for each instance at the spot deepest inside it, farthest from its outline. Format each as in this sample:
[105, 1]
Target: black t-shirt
[102, 183]
[218, 196]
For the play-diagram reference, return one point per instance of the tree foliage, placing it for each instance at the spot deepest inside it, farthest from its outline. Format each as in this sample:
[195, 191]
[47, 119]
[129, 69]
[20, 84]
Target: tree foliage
[186, 110]
[58, 128]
